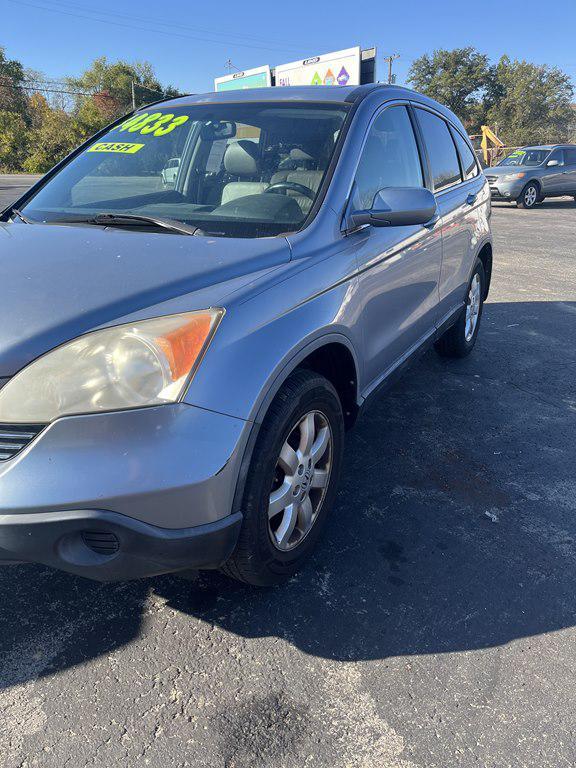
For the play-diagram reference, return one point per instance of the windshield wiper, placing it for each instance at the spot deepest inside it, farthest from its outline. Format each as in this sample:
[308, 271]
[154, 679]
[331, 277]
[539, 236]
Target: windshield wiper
[121, 219]
[20, 215]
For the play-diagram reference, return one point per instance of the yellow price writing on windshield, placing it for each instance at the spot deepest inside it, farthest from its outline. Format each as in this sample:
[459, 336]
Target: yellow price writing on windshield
[115, 146]
[156, 123]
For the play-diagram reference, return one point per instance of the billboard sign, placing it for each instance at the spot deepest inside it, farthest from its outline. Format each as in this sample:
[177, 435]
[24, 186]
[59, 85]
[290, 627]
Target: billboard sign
[338, 68]
[259, 77]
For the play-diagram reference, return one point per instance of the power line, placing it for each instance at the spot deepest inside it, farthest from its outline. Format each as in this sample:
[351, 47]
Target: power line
[144, 29]
[158, 22]
[44, 90]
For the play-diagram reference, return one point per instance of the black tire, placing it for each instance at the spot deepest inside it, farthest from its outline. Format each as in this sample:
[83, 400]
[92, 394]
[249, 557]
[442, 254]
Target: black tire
[453, 342]
[256, 559]
[529, 196]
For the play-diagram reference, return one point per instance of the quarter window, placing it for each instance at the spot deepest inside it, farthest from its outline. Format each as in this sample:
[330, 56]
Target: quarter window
[441, 150]
[467, 157]
[390, 157]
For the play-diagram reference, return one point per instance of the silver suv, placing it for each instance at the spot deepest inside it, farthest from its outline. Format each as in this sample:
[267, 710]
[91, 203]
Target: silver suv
[529, 175]
[178, 367]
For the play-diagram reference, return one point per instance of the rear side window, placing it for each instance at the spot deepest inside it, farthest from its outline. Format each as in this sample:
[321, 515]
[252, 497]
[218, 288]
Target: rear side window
[467, 158]
[441, 150]
[390, 157]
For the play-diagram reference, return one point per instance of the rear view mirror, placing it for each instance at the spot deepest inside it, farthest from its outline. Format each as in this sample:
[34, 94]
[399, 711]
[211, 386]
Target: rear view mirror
[397, 207]
[552, 163]
[218, 129]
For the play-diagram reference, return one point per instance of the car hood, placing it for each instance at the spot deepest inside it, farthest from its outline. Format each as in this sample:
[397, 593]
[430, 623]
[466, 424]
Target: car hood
[506, 170]
[59, 281]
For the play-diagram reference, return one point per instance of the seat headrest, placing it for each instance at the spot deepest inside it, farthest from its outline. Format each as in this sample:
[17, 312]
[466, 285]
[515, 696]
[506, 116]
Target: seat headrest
[241, 158]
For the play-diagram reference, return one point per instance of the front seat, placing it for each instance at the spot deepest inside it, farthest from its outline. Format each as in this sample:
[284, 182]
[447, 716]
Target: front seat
[241, 159]
[298, 168]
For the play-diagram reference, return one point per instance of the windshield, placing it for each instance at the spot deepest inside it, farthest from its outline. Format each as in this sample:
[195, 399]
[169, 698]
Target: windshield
[243, 170]
[526, 157]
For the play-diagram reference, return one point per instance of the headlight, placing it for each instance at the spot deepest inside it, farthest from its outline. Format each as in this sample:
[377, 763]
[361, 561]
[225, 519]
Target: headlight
[127, 366]
[512, 176]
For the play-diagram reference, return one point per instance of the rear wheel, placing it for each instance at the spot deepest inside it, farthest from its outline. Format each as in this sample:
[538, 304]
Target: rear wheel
[292, 481]
[529, 196]
[460, 338]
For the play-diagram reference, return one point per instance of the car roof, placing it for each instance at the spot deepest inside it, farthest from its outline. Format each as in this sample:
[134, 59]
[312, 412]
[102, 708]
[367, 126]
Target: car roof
[317, 93]
[548, 146]
[335, 94]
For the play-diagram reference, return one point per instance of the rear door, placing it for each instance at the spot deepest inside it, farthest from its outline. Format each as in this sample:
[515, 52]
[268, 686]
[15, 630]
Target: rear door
[554, 181]
[457, 183]
[398, 267]
[570, 170]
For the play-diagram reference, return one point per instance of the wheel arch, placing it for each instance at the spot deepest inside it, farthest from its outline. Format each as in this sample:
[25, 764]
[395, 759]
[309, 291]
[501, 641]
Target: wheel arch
[485, 256]
[331, 355]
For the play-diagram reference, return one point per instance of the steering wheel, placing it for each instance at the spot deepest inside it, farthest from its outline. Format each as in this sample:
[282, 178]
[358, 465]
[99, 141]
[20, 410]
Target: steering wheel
[284, 186]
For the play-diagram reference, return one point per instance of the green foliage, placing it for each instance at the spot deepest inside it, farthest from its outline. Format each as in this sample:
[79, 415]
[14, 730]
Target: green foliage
[113, 82]
[525, 103]
[34, 136]
[12, 96]
[53, 134]
[13, 141]
[534, 104]
[459, 79]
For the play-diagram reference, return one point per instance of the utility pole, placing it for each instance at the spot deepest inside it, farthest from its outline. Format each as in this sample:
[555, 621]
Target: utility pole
[133, 96]
[390, 59]
[231, 66]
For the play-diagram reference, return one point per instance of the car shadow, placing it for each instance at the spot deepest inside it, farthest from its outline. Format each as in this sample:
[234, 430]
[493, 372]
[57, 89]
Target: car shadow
[558, 203]
[454, 528]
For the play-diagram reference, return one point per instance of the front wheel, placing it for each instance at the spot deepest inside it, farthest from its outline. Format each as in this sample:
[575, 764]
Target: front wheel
[292, 481]
[529, 196]
[460, 338]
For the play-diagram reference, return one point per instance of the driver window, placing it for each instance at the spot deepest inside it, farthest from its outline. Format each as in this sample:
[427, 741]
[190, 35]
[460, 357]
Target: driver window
[390, 157]
[557, 155]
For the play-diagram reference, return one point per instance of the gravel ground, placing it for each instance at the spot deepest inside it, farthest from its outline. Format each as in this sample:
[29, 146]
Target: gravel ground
[435, 626]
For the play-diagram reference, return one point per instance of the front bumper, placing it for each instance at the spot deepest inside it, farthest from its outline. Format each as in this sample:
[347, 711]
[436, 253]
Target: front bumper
[161, 480]
[505, 190]
[107, 546]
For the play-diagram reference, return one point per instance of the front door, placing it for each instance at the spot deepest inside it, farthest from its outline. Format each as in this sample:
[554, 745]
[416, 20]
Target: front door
[399, 267]
[554, 180]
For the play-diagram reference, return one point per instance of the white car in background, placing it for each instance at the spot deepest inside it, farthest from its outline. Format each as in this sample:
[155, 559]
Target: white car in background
[170, 172]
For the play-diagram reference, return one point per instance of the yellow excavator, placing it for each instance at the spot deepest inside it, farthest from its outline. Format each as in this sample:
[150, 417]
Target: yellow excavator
[484, 140]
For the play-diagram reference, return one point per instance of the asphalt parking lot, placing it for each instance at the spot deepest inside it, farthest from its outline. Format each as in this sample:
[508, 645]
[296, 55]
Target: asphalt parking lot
[435, 626]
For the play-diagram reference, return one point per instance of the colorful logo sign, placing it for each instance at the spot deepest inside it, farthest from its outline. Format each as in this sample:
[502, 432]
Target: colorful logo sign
[329, 78]
[343, 76]
[316, 80]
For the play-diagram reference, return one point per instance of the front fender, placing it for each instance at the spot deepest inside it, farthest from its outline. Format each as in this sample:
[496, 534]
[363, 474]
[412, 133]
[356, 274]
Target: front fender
[263, 338]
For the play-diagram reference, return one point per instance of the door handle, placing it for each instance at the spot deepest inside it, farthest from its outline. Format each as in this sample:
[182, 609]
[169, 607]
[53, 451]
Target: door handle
[471, 199]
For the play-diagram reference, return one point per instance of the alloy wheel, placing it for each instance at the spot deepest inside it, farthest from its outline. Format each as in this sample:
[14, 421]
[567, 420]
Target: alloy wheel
[530, 196]
[301, 479]
[473, 307]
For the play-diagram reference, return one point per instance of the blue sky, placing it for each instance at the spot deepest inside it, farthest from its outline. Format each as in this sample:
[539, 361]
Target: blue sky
[189, 42]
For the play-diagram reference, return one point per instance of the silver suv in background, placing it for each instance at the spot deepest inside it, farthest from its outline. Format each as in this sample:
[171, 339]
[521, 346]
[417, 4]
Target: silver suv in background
[529, 175]
[178, 367]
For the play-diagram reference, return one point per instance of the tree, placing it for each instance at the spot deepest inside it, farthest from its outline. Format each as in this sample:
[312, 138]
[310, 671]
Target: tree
[13, 141]
[460, 79]
[12, 95]
[54, 133]
[534, 104]
[107, 91]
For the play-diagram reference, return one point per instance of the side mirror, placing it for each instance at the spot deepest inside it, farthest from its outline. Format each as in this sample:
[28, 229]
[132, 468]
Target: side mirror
[552, 163]
[397, 207]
